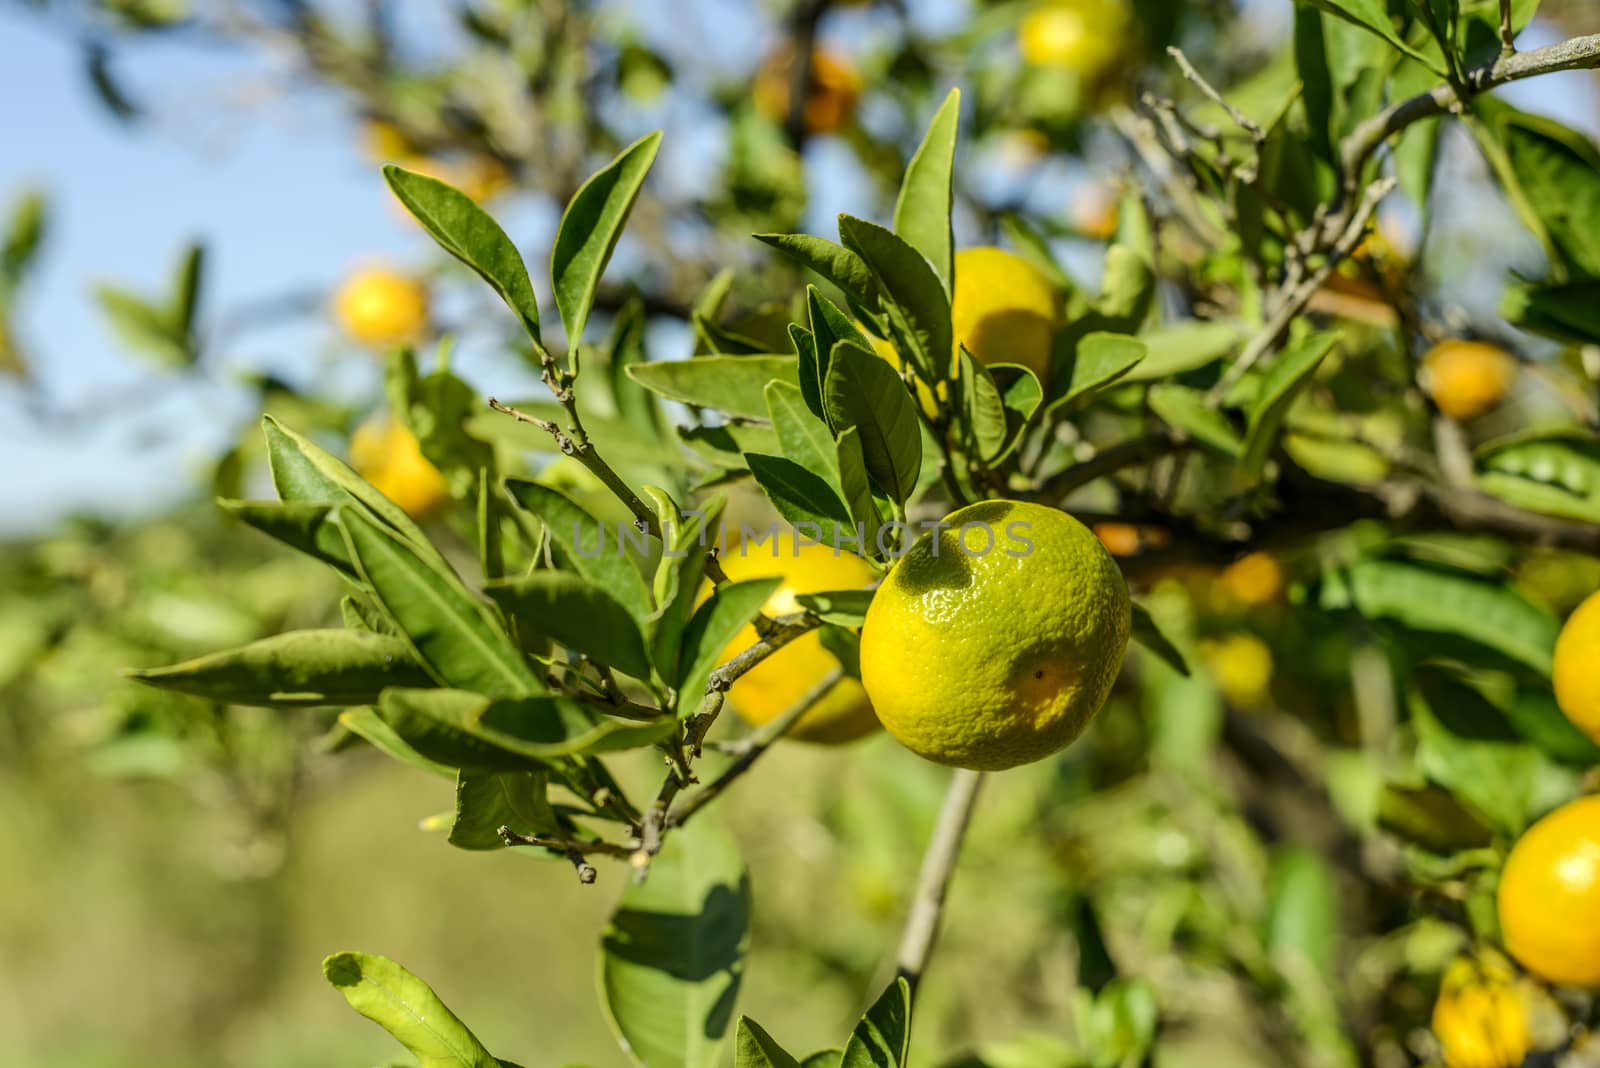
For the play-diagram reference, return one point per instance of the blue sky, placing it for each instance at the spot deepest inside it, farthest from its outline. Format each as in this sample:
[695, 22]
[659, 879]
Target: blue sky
[286, 205]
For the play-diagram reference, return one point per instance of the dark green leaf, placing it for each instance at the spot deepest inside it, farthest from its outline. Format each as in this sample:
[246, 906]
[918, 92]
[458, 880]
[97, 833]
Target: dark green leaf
[823, 1058]
[985, 409]
[1550, 472]
[469, 234]
[735, 385]
[300, 668]
[857, 490]
[589, 230]
[568, 609]
[687, 539]
[1289, 374]
[306, 527]
[186, 289]
[863, 391]
[754, 1048]
[451, 631]
[24, 234]
[672, 956]
[468, 730]
[583, 541]
[489, 800]
[1373, 16]
[837, 264]
[1186, 410]
[845, 608]
[404, 1006]
[1537, 717]
[804, 437]
[714, 624]
[1148, 634]
[1093, 364]
[883, 1037]
[800, 496]
[913, 297]
[809, 370]
[1566, 312]
[1558, 173]
[923, 210]
[635, 405]
[145, 327]
[365, 723]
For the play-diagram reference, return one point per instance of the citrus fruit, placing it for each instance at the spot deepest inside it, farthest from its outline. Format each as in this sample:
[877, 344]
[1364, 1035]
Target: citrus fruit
[1004, 309]
[1467, 378]
[389, 456]
[1549, 897]
[1120, 539]
[843, 713]
[831, 101]
[1254, 579]
[1241, 664]
[378, 306]
[995, 640]
[1577, 667]
[1480, 1018]
[1078, 35]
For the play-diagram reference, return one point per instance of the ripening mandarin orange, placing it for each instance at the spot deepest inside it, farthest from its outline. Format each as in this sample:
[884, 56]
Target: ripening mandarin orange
[1241, 665]
[1467, 378]
[378, 306]
[1120, 539]
[1576, 670]
[1254, 579]
[995, 641]
[1481, 1017]
[388, 455]
[1549, 896]
[831, 101]
[772, 687]
[1084, 36]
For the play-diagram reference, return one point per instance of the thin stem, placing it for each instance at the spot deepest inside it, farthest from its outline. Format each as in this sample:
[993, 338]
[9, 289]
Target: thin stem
[933, 882]
[750, 749]
[1508, 36]
[1105, 462]
[1243, 121]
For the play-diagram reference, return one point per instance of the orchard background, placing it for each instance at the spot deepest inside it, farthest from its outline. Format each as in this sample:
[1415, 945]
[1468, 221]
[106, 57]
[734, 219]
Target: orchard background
[1316, 360]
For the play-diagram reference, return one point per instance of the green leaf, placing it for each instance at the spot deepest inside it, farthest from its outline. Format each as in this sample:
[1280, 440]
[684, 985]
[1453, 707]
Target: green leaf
[1127, 291]
[144, 326]
[1092, 364]
[687, 539]
[726, 445]
[804, 437]
[713, 625]
[589, 231]
[583, 542]
[1442, 602]
[1537, 717]
[1148, 634]
[1303, 912]
[823, 1058]
[1495, 778]
[1373, 16]
[489, 800]
[913, 297]
[857, 490]
[985, 409]
[735, 385]
[451, 632]
[672, 956]
[568, 609]
[1033, 246]
[863, 391]
[754, 1048]
[1185, 409]
[922, 211]
[1551, 472]
[301, 668]
[635, 405]
[186, 289]
[883, 1037]
[844, 608]
[404, 1006]
[306, 527]
[366, 724]
[1289, 374]
[304, 472]
[1021, 393]
[24, 234]
[809, 370]
[1183, 347]
[1558, 172]
[469, 234]
[837, 264]
[1566, 312]
[467, 730]
[800, 496]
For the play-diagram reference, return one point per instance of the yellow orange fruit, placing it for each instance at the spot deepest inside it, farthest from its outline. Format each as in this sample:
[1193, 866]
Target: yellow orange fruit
[380, 307]
[1120, 539]
[1576, 670]
[389, 456]
[772, 687]
[1549, 896]
[1004, 310]
[1480, 1017]
[1085, 36]
[831, 100]
[1253, 580]
[994, 641]
[1467, 378]
[1241, 665]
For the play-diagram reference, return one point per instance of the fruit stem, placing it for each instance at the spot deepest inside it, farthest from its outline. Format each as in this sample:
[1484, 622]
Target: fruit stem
[933, 882]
